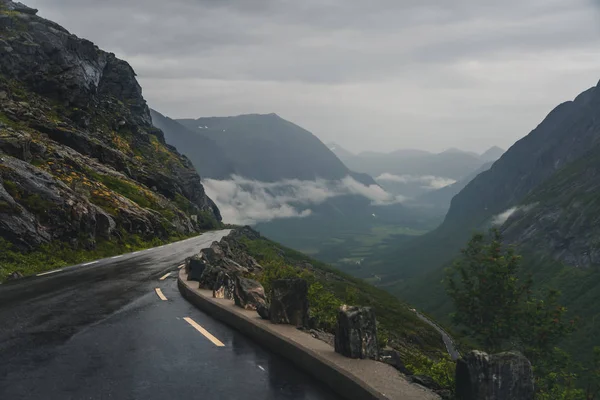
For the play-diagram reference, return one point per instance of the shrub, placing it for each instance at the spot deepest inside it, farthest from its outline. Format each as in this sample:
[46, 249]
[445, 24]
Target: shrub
[442, 370]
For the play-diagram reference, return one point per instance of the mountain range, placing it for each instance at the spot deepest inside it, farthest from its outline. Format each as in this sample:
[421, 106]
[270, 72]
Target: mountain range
[452, 163]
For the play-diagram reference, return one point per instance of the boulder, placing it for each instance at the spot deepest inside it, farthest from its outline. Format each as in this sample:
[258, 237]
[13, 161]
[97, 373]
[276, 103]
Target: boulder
[264, 311]
[232, 266]
[224, 286]
[248, 294]
[216, 252]
[392, 357]
[356, 332]
[195, 267]
[14, 276]
[210, 276]
[289, 302]
[480, 376]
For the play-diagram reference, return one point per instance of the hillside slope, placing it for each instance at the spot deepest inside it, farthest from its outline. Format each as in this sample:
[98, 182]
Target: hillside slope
[439, 200]
[81, 165]
[405, 331]
[269, 149]
[208, 157]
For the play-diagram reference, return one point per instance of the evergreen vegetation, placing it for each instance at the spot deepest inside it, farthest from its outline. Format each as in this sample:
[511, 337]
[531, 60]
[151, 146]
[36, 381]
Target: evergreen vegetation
[497, 307]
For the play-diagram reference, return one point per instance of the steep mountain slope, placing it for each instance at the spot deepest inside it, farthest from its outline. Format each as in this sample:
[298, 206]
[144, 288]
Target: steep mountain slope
[80, 163]
[269, 149]
[561, 217]
[340, 152]
[208, 157]
[492, 154]
[543, 193]
[567, 134]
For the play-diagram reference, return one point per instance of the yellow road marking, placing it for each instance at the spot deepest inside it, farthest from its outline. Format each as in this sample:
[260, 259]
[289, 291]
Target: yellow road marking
[162, 278]
[181, 266]
[160, 294]
[203, 331]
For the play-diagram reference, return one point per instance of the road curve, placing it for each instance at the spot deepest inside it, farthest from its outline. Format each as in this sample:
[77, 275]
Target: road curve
[118, 329]
[448, 342]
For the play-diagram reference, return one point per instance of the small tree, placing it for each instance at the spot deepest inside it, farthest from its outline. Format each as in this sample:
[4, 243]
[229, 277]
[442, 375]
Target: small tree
[593, 386]
[497, 307]
[487, 292]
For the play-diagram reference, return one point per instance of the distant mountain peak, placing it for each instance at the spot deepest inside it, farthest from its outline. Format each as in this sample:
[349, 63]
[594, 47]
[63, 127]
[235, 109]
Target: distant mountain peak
[454, 150]
[492, 154]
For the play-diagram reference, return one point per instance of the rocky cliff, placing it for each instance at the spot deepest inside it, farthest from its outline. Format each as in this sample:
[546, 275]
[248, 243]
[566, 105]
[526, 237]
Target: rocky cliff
[80, 161]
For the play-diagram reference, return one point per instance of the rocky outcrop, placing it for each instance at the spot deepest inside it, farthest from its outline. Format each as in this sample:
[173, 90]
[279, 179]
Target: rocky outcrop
[79, 158]
[289, 302]
[356, 332]
[248, 294]
[392, 357]
[237, 250]
[480, 376]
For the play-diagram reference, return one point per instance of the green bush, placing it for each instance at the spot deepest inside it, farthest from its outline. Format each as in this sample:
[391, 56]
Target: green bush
[442, 371]
[324, 306]
[397, 324]
[59, 254]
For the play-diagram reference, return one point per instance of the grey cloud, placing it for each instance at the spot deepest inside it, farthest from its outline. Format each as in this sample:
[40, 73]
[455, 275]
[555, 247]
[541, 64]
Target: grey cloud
[410, 73]
[428, 181]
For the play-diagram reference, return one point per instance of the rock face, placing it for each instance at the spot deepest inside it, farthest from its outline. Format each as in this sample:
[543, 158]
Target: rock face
[289, 302]
[356, 332]
[480, 376]
[248, 293]
[79, 158]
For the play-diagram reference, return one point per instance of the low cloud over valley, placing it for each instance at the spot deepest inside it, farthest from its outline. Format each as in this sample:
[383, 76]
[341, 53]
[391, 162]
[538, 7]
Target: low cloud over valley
[426, 181]
[245, 201]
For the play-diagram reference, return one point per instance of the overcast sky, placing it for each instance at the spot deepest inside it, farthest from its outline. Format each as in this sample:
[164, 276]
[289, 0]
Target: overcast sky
[368, 74]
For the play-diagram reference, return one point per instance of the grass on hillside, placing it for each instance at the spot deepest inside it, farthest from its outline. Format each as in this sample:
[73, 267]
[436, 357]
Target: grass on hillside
[399, 326]
[59, 254]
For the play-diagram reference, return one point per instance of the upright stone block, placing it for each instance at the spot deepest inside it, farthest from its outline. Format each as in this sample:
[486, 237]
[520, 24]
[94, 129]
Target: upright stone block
[356, 332]
[480, 376]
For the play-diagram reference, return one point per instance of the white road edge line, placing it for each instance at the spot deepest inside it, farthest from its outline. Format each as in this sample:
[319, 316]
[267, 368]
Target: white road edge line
[50, 272]
[115, 257]
[165, 276]
[136, 252]
[160, 294]
[204, 332]
[90, 263]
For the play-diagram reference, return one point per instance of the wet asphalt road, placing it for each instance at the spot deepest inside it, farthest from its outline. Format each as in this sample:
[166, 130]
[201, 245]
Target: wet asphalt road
[100, 331]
